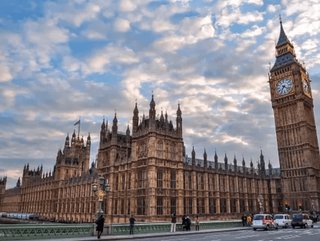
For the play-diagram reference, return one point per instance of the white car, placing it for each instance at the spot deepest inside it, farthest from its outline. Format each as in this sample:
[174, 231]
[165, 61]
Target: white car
[283, 220]
[263, 221]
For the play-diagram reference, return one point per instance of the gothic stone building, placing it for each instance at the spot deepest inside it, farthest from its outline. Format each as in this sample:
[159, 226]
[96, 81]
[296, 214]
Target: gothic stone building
[151, 176]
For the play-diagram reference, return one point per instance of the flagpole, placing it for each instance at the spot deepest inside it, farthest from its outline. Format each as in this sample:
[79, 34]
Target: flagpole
[79, 129]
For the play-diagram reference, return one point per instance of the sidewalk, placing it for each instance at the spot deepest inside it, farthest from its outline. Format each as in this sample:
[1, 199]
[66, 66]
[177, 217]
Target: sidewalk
[145, 236]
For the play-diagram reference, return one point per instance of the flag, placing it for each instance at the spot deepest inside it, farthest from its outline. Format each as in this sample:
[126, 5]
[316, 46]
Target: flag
[77, 123]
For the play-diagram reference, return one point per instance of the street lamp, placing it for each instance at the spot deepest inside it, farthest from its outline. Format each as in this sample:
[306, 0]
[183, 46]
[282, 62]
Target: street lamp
[100, 189]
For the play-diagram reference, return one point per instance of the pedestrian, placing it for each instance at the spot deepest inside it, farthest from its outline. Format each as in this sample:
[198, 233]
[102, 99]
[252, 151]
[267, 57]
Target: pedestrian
[184, 222]
[132, 220]
[197, 221]
[249, 220]
[188, 223]
[173, 222]
[100, 225]
[243, 219]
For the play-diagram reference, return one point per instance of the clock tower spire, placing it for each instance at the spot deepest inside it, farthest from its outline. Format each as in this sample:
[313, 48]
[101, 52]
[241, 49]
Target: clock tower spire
[297, 141]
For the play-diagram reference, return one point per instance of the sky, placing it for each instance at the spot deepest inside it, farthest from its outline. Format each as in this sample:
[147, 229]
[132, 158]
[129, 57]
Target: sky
[61, 60]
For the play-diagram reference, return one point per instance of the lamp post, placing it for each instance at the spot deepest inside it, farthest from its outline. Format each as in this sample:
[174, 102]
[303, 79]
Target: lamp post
[100, 189]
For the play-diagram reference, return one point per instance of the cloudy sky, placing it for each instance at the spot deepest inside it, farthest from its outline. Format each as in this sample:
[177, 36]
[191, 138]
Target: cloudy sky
[61, 60]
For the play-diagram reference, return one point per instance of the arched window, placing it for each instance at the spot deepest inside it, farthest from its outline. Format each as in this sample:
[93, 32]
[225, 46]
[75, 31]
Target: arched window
[160, 149]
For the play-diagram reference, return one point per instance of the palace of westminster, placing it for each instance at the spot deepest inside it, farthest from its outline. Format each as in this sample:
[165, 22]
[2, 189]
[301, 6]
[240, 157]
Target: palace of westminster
[150, 175]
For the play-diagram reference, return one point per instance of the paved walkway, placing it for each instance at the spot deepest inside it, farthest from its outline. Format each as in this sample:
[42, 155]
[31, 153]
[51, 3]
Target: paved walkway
[146, 236]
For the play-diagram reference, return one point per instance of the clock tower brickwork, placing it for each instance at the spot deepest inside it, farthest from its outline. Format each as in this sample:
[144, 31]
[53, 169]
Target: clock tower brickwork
[298, 148]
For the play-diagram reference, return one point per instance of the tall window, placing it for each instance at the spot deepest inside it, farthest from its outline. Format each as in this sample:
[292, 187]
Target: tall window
[159, 205]
[173, 203]
[200, 205]
[115, 207]
[201, 181]
[129, 181]
[160, 149]
[142, 176]
[223, 205]
[116, 183]
[233, 205]
[141, 209]
[212, 206]
[160, 178]
[242, 207]
[188, 205]
[172, 152]
[173, 178]
[123, 182]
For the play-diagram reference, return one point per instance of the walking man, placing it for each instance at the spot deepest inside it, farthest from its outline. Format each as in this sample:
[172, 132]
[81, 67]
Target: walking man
[132, 220]
[100, 225]
[173, 222]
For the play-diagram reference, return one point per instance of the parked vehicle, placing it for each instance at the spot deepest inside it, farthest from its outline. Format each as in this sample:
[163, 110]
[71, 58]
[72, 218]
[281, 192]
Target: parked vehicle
[282, 220]
[302, 220]
[263, 221]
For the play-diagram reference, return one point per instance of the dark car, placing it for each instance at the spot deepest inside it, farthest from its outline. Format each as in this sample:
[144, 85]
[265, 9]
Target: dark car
[301, 220]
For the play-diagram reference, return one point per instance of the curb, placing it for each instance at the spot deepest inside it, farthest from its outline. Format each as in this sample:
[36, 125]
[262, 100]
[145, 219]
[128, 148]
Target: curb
[154, 235]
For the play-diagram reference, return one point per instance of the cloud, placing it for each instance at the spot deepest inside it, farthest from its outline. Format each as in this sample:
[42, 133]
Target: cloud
[122, 25]
[5, 74]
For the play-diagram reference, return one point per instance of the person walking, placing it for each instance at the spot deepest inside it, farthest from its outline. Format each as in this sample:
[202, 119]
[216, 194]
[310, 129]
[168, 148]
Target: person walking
[184, 223]
[132, 220]
[188, 223]
[197, 221]
[243, 220]
[249, 220]
[173, 222]
[100, 225]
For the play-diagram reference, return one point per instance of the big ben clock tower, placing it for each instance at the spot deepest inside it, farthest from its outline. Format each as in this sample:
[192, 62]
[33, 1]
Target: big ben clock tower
[298, 149]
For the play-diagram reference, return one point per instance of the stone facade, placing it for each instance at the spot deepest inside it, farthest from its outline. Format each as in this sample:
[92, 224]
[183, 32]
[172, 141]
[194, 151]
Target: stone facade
[151, 176]
[298, 148]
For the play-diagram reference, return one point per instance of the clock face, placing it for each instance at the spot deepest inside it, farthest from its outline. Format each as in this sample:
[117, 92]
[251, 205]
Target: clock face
[305, 87]
[284, 86]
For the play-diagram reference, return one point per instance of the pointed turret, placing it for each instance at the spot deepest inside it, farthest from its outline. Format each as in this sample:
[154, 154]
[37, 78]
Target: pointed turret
[88, 140]
[205, 160]
[135, 119]
[102, 132]
[73, 139]
[162, 117]
[193, 156]
[115, 125]
[215, 160]
[67, 142]
[251, 166]
[243, 165]
[114, 135]
[262, 164]
[285, 51]
[179, 121]
[152, 110]
[18, 182]
[235, 165]
[270, 168]
[225, 162]
[283, 39]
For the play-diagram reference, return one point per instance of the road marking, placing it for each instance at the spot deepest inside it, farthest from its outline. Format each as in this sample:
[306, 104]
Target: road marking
[247, 236]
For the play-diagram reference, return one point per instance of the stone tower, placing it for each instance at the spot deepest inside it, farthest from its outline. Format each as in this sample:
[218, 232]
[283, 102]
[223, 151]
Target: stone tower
[298, 149]
[74, 159]
[157, 164]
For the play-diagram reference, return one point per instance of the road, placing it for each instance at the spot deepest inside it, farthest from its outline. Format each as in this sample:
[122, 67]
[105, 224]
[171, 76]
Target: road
[310, 234]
